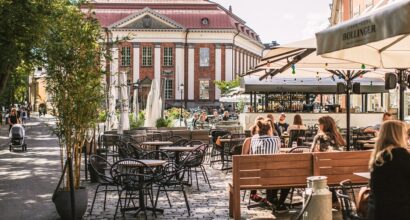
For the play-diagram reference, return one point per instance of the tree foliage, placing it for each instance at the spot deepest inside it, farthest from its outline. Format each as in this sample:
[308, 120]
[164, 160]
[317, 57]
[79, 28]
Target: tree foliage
[226, 86]
[72, 50]
[22, 27]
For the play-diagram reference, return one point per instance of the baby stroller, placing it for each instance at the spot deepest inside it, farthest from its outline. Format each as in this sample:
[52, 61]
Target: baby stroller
[17, 137]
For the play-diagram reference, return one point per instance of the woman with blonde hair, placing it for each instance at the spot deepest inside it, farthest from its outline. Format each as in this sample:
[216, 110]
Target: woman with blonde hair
[390, 173]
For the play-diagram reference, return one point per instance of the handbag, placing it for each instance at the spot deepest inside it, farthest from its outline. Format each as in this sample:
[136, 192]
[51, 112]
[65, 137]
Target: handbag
[363, 201]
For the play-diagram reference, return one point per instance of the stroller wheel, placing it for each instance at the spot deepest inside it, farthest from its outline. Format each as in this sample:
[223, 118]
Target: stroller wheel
[10, 148]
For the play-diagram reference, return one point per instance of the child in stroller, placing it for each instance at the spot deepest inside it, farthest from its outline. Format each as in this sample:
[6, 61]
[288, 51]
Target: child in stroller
[17, 137]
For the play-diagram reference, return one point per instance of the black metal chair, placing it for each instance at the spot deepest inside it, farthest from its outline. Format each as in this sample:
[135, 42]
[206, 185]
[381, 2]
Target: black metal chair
[347, 200]
[180, 142]
[125, 150]
[194, 160]
[135, 179]
[171, 179]
[155, 155]
[217, 150]
[296, 135]
[174, 138]
[110, 145]
[102, 168]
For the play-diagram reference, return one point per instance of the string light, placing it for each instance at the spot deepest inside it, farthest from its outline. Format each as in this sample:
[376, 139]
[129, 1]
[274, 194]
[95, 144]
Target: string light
[293, 69]
[363, 66]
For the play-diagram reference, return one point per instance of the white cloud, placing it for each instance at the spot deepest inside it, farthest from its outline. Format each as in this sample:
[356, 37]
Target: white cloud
[314, 23]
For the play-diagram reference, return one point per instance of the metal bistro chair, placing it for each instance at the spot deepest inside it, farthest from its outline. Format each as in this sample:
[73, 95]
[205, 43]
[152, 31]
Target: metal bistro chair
[194, 160]
[171, 180]
[347, 200]
[110, 145]
[134, 179]
[216, 148]
[193, 143]
[100, 167]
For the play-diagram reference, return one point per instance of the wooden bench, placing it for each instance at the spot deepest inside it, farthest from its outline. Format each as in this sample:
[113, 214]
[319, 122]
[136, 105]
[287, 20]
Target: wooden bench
[267, 172]
[339, 166]
[291, 170]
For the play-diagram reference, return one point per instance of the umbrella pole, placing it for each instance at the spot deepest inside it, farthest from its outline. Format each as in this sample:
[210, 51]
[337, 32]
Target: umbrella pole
[348, 115]
[402, 83]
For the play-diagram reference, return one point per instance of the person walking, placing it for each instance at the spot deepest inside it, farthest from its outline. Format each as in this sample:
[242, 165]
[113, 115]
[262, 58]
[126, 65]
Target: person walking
[13, 118]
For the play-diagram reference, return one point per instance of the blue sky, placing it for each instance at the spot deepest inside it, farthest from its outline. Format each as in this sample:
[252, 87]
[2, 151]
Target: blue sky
[282, 21]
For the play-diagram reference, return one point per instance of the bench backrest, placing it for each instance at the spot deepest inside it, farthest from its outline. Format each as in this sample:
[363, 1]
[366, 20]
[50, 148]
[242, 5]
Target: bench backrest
[338, 166]
[277, 170]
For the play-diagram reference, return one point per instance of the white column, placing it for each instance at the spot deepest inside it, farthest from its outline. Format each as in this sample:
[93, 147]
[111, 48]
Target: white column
[218, 69]
[136, 61]
[135, 75]
[245, 58]
[157, 62]
[191, 84]
[242, 63]
[237, 63]
[229, 63]
[180, 70]
[114, 71]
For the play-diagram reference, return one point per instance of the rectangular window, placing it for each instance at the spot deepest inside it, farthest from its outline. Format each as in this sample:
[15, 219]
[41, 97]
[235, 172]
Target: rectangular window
[204, 89]
[126, 56]
[168, 88]
[146, 56]
[204, 57]
[168, 56]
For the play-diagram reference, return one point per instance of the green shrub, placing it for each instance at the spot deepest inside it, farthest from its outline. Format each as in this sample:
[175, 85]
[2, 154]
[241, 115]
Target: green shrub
[164, 123]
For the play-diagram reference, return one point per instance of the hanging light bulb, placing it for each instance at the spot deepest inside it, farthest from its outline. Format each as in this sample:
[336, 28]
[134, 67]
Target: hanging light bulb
[363, 66]
[293, 69]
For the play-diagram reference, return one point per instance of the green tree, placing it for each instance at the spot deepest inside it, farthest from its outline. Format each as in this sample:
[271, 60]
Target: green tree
[22, 27]
[73, 50]
[226, 86]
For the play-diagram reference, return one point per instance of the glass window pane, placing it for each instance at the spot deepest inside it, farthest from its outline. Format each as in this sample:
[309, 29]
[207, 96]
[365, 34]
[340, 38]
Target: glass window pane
[204, 57]
[204, 89]
[167, 56]
[168, 88]
[126, 56]
[146, 56]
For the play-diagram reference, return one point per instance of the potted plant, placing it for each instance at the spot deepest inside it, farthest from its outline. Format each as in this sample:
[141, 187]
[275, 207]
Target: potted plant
[72, 54]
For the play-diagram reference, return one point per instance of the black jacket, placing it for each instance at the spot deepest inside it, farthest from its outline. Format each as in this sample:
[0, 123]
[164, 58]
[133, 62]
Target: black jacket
[390, 188]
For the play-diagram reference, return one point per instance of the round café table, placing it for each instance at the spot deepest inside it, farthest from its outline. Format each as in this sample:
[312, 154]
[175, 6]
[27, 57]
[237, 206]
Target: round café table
[177, 150]
[156, 144]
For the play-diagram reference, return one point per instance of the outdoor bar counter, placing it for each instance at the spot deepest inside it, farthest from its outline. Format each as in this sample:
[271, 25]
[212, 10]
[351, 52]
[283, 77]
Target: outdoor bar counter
[309, 119]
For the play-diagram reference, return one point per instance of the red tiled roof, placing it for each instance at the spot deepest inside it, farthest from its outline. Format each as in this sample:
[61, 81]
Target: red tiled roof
[188, 15]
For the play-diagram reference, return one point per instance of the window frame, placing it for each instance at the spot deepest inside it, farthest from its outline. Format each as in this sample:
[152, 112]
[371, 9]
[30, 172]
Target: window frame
[202, 60]
[202, 90]
[126, 56]
[146, 58]
[168, 92]
[168, 56]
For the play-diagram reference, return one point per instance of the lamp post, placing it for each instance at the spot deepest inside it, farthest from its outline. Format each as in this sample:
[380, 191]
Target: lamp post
[181, 89]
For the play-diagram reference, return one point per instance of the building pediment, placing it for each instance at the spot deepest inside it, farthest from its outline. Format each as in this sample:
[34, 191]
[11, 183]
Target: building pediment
[146, 19]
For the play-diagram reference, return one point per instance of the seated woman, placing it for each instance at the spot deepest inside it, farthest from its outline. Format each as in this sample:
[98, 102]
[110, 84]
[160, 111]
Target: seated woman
[390, 174]
[266, 143]
[328, 137]
[225, 116]
[297, 124]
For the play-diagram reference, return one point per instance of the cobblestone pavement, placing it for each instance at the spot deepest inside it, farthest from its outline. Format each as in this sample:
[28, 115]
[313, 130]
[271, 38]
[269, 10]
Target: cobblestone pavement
[27, 180]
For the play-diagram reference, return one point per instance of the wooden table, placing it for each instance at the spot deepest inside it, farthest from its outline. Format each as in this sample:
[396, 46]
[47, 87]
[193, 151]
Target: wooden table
[363, 174]
[141, 200]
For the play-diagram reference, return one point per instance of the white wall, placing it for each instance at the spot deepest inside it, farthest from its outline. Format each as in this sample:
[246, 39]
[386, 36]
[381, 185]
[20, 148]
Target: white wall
[180, 71]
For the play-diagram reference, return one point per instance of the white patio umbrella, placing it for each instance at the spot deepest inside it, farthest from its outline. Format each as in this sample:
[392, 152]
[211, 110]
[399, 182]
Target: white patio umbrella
[154, 105]
[112, 121]
[300, 56]
[379, 38]
[124, 103]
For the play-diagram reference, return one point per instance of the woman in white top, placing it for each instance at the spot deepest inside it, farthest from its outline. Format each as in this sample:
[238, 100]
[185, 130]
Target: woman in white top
[265, 143]
[297, 124]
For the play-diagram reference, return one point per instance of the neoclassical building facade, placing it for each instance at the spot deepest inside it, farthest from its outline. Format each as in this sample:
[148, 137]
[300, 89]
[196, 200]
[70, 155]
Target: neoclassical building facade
[184, 44]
